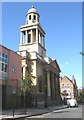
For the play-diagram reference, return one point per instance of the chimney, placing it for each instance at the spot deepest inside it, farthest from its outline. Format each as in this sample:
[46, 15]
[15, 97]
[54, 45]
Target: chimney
[60, 77]
[73, 79]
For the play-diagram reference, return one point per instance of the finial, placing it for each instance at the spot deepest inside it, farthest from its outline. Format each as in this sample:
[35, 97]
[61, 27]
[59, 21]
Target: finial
[32, 6]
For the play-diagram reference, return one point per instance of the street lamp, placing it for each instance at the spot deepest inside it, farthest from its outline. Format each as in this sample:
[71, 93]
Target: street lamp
[13, 92]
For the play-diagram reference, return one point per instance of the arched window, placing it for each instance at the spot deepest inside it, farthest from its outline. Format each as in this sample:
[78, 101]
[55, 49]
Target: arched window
[34, 17]
[29, 17]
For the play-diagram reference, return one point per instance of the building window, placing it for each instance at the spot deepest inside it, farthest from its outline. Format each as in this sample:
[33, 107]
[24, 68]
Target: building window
[64, 93]
[5, 69]
[29, 38]
[13, 68]
[2, 59]
[5, 56]
[2, 66]
[29, 17]
[5, 61]
[2, 54]
[34, 17]
[67, 84]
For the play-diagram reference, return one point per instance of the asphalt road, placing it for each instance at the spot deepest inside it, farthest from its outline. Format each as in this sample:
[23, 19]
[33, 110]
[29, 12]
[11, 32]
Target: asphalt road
[63, 113]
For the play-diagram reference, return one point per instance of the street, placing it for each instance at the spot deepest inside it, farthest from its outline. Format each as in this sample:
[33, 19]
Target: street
[63, 113]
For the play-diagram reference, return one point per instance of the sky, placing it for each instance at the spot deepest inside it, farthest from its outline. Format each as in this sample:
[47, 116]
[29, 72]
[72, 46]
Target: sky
[62, 23]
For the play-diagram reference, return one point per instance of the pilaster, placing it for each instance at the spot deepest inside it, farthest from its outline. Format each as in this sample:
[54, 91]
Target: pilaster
[26, 39]
[31, 37]
[39, 38]
[48, 84]
[36, 34]
[24, 72]
[43, 41]
[20, 37]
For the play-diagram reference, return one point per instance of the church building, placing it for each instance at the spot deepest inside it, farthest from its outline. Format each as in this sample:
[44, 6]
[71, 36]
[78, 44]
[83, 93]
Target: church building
[46, 86]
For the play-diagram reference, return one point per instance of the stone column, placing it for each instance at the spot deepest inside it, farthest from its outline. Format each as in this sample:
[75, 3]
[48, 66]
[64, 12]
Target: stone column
[31, 37]
[20, 37]
[48, 84]
[44, 41]
[23, 72]
[56, 86]
[36, 34]
[23, 38]
[41, 40]
[39, 37]
[26, 37]
[53, 89]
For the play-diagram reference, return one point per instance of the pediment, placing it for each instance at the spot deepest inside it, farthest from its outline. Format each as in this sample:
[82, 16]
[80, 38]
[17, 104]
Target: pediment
[55, 65]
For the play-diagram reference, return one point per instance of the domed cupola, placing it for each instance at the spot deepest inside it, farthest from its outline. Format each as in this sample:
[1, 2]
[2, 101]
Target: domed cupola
[32, 16]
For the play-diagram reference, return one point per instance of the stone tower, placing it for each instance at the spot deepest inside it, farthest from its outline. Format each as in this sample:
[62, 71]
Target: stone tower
[32, 36]
[45, 89]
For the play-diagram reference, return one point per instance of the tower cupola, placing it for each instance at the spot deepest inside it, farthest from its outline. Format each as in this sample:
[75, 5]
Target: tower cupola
[32, 16]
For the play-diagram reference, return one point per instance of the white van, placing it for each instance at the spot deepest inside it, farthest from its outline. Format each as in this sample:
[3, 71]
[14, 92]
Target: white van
[72, 103]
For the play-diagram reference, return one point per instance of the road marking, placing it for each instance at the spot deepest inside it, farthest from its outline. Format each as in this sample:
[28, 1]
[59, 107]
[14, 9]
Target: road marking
[62, 110]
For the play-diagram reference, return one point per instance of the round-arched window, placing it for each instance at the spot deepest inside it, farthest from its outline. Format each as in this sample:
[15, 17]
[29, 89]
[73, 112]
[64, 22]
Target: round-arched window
[34, 17]
[29, 17]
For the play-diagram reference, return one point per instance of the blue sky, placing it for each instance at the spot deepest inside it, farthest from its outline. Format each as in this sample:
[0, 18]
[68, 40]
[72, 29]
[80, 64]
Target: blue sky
[62, 22]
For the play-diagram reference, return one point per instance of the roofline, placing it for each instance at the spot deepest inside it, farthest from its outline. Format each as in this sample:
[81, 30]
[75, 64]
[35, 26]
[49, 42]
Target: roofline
[32, 12]
[69, 79]
[9, 49]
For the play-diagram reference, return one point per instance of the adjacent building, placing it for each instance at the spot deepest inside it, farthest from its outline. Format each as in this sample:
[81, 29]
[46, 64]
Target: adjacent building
[46, 86]
[68, 87]
[10, 74]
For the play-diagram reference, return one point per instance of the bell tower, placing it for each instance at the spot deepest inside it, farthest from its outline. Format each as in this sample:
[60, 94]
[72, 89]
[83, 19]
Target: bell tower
[32, 36]
[32, 16]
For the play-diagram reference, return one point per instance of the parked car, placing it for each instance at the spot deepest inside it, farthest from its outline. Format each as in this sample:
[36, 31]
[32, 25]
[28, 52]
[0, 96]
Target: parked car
[72, 103]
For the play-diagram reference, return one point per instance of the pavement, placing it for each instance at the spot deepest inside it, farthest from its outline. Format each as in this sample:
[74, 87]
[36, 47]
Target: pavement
[20, 113]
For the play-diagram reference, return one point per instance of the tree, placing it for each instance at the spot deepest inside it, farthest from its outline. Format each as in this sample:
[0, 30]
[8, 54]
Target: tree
[26, 83]
[81, 96]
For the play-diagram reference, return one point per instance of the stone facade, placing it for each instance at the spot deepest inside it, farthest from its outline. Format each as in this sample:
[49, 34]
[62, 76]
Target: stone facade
[46, 87]
[68, 88]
